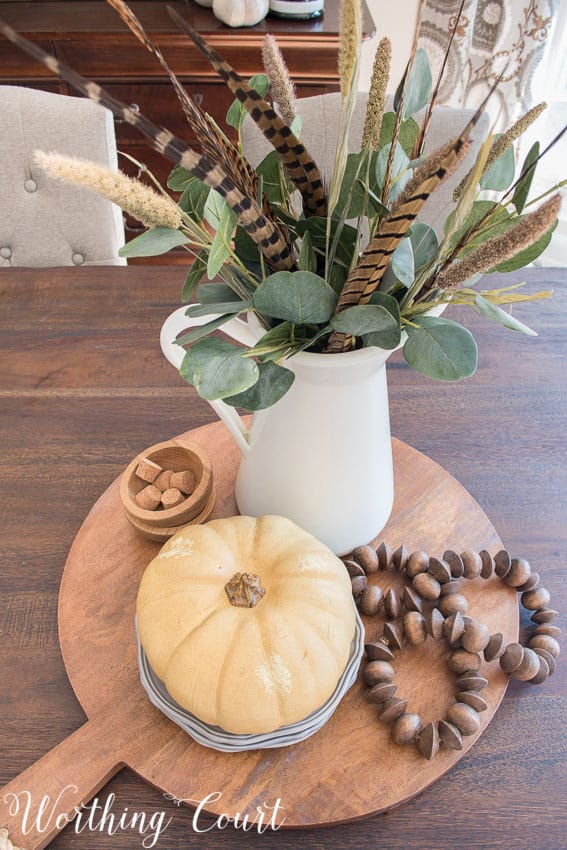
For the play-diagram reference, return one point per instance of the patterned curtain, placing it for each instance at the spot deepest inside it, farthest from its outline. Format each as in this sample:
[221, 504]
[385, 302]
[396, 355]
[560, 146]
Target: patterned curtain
[492, 35]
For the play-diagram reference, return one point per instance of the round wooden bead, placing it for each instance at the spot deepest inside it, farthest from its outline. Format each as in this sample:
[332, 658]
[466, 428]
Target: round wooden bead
[411, 600]
[392, 709]
[547, 656]
[529, 666]
[546, 629]
[542, 674]
[475, 637]
[487, 564]
[545, 642]
[451, 604]
[519, 573]
[428, 741]
[471, 682]
[376, 672]
[353, 568]
[440, 570]
[400, 558]
[417, 563]
[406, 728]
[378, 651]
[450, 735]
[393, 636]
[464, 718]
[392, 606]
[453, 628]
[367, 558]
[532, 582]
[462, 661]
[384, 554]
[381, 692]
[472, 564]
[453, 586]
[427, 586]
[544, 615]
[358, 585]
[371, 601]
[502, 563]
[534, 599]
[495, 647]
[511, 658]
[473, 699]
[414, 627]
[455, 563]
[434, 624]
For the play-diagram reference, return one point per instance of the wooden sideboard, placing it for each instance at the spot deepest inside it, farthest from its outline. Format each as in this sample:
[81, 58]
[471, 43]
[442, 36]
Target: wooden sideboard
[89, 36]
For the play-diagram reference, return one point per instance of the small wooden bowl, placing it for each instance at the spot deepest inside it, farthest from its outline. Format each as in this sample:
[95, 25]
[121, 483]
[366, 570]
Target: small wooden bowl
[178, 457]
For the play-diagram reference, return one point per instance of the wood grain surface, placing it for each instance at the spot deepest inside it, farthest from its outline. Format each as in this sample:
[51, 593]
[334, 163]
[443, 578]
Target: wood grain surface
[84, 388]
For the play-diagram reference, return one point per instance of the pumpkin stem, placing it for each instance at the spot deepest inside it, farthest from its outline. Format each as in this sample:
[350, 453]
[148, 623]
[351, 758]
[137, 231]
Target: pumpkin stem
[244, 590]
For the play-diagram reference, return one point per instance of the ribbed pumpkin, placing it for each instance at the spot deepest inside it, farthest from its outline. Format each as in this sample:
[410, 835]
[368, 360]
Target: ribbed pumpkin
[247, 621]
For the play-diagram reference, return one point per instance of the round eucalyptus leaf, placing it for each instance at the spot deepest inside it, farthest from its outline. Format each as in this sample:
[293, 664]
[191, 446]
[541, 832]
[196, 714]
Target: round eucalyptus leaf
[441, 349]
[217, 369]
[272, 384]
[300, 297]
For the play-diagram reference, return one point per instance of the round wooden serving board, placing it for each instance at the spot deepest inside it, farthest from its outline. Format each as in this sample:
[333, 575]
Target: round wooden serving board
[350, 769]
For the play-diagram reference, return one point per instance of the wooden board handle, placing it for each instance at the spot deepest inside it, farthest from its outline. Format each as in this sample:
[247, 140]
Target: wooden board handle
[40, 802]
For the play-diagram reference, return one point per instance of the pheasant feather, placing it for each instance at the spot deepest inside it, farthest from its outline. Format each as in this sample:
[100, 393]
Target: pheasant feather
[274, 247]
[213, 142]
[299, 164]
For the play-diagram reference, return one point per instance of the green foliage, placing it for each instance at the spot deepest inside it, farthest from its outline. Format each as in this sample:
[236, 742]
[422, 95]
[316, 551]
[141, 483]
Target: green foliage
[217, 369]
[378, 323]
[195, 275]
[236, 111]
[360, 175]
[496, 314]
[440, 348]
[216, 293]
[152, 243]
[272, 384]
[424, 244]
[194, 199]
[203, 330]
[226, 307]
[522, 190]
[273, 179]
[401, 173]
[307, 261]
[500, 220]
[297, 297]
[402, 262]
[501, 174]
[528, 255]
[418, 90]
[409, 131]
[179, 179]
[220, 248]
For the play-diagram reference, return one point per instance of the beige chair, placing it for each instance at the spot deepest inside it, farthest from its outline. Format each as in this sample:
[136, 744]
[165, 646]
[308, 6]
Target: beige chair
[44, 222]
[319, 133]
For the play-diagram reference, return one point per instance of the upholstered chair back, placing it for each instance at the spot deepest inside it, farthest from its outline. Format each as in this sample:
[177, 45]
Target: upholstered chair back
[44, 222]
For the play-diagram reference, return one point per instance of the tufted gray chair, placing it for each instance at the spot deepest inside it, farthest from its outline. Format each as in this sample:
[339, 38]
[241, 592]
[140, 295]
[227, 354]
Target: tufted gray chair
[45, 222]
[319, 133]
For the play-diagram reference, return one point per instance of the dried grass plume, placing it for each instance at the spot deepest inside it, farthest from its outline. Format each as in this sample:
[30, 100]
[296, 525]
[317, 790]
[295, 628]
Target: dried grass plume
[349, 47]
[377, 94]
[503, 247]
[281, 85]
[135, 198]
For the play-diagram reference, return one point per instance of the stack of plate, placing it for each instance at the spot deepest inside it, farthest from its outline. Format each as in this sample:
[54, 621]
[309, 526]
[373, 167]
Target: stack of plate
[217, 739]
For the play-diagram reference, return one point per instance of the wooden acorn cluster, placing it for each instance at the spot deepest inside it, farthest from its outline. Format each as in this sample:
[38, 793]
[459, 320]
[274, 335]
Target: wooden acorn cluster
[431, 605]
[164, 488]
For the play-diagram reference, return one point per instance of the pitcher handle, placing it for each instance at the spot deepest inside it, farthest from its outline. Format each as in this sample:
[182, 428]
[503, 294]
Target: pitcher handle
[234, 328]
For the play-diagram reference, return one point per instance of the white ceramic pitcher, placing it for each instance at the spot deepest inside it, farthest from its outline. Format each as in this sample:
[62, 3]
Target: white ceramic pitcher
[322, 455]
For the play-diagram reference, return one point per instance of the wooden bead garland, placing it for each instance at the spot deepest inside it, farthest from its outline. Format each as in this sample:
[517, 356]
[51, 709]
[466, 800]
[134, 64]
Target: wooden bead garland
[435, 583]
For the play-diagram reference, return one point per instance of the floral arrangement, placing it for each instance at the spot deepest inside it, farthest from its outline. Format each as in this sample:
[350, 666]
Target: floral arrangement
[292, 250]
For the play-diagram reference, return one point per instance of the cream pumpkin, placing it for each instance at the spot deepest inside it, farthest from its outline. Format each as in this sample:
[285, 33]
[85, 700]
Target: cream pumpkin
[247, 669]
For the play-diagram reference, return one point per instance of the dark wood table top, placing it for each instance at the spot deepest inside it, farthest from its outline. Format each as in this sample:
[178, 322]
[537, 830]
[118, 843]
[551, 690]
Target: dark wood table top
[84, 387]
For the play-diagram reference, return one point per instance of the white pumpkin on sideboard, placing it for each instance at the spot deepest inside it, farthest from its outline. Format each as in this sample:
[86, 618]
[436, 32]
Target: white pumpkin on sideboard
[240, 13]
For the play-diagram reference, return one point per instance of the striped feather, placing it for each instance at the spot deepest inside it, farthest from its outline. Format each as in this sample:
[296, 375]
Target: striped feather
[298, 162]
[213, 142]
[366, 276]
[274, 247]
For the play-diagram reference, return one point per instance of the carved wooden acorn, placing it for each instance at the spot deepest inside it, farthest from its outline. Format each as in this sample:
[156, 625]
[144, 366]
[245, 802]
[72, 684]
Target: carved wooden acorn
[248, 622]
[240, 13]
